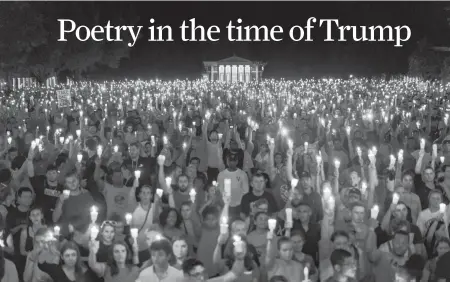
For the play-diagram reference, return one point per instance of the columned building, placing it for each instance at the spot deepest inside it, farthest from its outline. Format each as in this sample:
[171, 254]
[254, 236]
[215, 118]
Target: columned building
[233, 69]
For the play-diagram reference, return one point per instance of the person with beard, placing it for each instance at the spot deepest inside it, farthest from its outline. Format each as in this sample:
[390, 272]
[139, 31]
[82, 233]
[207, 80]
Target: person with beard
[181, 192]
[391, 256]
[405, 191]
[75, 207]
[311, 197]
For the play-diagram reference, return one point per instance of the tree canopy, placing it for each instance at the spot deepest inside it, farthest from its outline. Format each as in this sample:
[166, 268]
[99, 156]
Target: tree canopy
[29, 33]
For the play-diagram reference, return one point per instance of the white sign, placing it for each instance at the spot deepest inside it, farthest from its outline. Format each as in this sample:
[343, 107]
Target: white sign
[64, 98]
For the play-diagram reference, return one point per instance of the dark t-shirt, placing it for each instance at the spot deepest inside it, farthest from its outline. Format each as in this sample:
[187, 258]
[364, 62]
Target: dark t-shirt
[249, 198]
[46, 195]
[15, 218]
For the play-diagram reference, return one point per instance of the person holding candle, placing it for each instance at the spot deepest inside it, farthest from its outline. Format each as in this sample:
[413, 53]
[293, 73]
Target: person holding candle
[424, 182]
[239, 185]
[298, 240]
[433, 221]
[76, 208]
[191, 224]
[429, 271]
[36, 222]
[40, 247]
[209, 239]
[213, 148]
[121, 265]
[258, 236]
[407, 195]
[258, 192]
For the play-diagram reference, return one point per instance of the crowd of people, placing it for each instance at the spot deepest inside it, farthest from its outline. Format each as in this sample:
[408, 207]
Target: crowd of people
[279, 181]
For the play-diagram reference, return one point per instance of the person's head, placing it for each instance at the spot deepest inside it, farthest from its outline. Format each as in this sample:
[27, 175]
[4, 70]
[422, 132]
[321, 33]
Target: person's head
[400, 242]
[134, 150]
[285, 248]
[52, 173]
[408, 181]
[435, 199]
[213, 136]
[170, 218]
[195, 162]
[358, 211]
[117, 177]
[40, 237]
[446, 170]
[340, 240]
[161, 252]
[72, 182]
[258, 182]
[442, 246]
[186, 210]
[261, 220]
[194, 269]
[107, 231]
[306, 181]
[25, 196]
[354, 196]
[298, 240]
[238, 227]
[428, 174]
[343, 263]
[144, 194]
[261, 205]
[199, 183]
[119, 255]
[232, 161]
[337, 143]
[191, 172]
[180, 247]
[70, 255]
[354, 178]
[210, 217]
[278, 159]
[36, 216]
[401, 211]
[183, 182]
[301, 210]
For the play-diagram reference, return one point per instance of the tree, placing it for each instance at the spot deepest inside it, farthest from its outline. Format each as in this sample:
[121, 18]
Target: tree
[29, 33]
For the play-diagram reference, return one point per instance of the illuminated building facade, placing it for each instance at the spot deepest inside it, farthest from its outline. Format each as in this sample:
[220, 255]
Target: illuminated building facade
[233, 69]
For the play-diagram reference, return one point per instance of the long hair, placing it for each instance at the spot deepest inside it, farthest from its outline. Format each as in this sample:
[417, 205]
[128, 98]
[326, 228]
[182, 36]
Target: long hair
[69, 245]
[114, 268]
[229, 255]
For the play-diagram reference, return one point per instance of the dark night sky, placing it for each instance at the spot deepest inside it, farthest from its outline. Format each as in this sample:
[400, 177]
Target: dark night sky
[285, 59]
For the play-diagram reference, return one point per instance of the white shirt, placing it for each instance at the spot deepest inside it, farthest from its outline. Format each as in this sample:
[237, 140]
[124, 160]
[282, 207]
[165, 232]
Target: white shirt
[239, 185]
[172, 274]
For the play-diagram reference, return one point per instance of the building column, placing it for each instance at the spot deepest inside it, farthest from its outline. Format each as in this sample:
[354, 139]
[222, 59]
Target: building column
[257, 70]
[212, 75]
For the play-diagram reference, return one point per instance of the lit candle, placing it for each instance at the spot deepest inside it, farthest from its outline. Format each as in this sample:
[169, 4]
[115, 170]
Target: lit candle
[33, 144]
[165, 140]
[227, 187]
[78, 132]
[214, 183]
[128, 218]
[159, 192]
[9, 140]
[184, 145]
[289, 215]
[116, 149]
[61, 139]
[168, 181]
[272, 224]
[99, 150]
[348, 129]
[363, 187]
[422, 144]
[79, 157]
[337, 164]
[66, 193]
[294, 183]
[56, 230]
[94, 214]
[94, 232]
[358, 151]
[290, 143]
[224, 225]
[220, 135]
[395, 198]
[134, 233]
[318, 159]
[442, 208]
[192, 194]
[434, 149]
[374, 212]
[238, 244]
[306, 147]
[137, 174]
[400, 156]
[161, 158]
[306, 273]
[442, 159]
